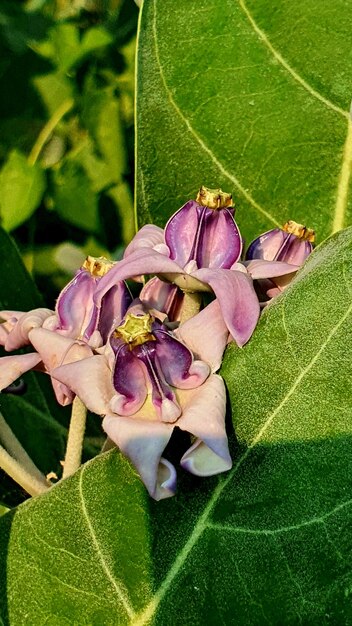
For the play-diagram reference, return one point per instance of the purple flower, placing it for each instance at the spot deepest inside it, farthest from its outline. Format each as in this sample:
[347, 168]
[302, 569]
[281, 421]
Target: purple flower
[66, 335]
[147, 381]
[290, 245]
[78, 315]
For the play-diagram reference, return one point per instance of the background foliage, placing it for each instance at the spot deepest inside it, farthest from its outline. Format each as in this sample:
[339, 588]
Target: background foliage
[66, 131]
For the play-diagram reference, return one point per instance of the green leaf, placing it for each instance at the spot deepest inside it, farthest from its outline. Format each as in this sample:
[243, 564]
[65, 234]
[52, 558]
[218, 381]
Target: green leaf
[69, 551]
[237, 95]
[54, 88]
[74, 198]
[64, 47]
[21, 189]
[267, 542]
[101, 116]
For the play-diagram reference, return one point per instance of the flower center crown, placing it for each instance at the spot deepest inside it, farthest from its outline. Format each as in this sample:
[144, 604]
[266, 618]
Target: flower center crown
[135, 330]
[214, 198]
[302, 232]
[97, 266]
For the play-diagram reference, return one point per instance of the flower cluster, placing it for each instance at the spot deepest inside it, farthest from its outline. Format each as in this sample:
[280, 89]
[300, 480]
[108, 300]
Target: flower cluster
[148, 365]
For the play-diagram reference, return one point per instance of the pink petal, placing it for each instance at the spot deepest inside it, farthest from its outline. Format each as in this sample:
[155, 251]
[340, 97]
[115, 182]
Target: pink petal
[204, 416]
[18, 337]
[56, 349]
[12, 367]
[143, 261]
[143, 442]
[208, 322]
[269, 269]
[147, 237]
[63, 394]
[201, 460]
[90, 380]
[157, 294]
[237, 299]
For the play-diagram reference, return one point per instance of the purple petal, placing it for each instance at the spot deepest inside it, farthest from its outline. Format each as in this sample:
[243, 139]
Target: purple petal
[177, 364]
[90, 380]
[210, 322]
[113, 308]
[237, 300]
[181, 231]
[75, 308]
[147, 237]
[162, 296]
[279, 245]
[18, 337]
[143, 442]
[163, 397]
[221, 243]
[204, 416]
[269, 269]
[12, 367]
[144, 261]
[210, 237]
[129, 381]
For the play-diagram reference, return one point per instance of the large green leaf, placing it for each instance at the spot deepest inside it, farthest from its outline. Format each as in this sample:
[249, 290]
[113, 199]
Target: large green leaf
[80, 554]
[250, 96]
[268, 542]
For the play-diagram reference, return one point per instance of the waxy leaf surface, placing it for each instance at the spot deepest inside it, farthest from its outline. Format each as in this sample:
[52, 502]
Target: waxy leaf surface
[268, 542]
[249, 96]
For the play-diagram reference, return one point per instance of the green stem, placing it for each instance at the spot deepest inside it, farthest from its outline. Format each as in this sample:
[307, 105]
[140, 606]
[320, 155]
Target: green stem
[16, 450]
[29, 483]
[75, 439]
[191, 305]
[45, 133]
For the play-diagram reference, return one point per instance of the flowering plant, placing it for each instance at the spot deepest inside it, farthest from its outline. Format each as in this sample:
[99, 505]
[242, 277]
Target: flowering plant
[180, 414]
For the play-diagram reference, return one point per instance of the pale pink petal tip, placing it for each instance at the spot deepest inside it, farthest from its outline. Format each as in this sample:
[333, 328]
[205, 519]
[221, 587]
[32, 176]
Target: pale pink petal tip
[143, 442]
[12, 367]
[165, 480]
[200, 460]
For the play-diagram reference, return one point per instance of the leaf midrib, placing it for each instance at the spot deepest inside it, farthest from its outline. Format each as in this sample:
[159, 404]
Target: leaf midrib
[346, 165]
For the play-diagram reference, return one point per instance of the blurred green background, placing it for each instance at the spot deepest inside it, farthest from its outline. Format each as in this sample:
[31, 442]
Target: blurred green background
[66, 132]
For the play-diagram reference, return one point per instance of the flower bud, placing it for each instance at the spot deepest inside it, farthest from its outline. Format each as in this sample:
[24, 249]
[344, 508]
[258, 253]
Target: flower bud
[290, 244]
[204, 231]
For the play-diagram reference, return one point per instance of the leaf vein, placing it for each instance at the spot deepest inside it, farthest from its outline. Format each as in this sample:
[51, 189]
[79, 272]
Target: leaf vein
[287, 66]
[234, 180]
[120, 591]
[145, 616]
[343, 183]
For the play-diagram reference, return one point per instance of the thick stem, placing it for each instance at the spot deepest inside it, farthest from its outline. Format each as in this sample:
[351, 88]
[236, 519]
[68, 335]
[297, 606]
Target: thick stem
[191, 305]
[29, 483]
[48, 129]
[15, 449]
[75, 438]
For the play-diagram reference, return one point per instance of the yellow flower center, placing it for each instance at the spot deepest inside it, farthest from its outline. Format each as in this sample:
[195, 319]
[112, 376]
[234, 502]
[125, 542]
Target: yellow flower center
[302, 232]
[135, 330]
[214, 198]
[97, 266]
